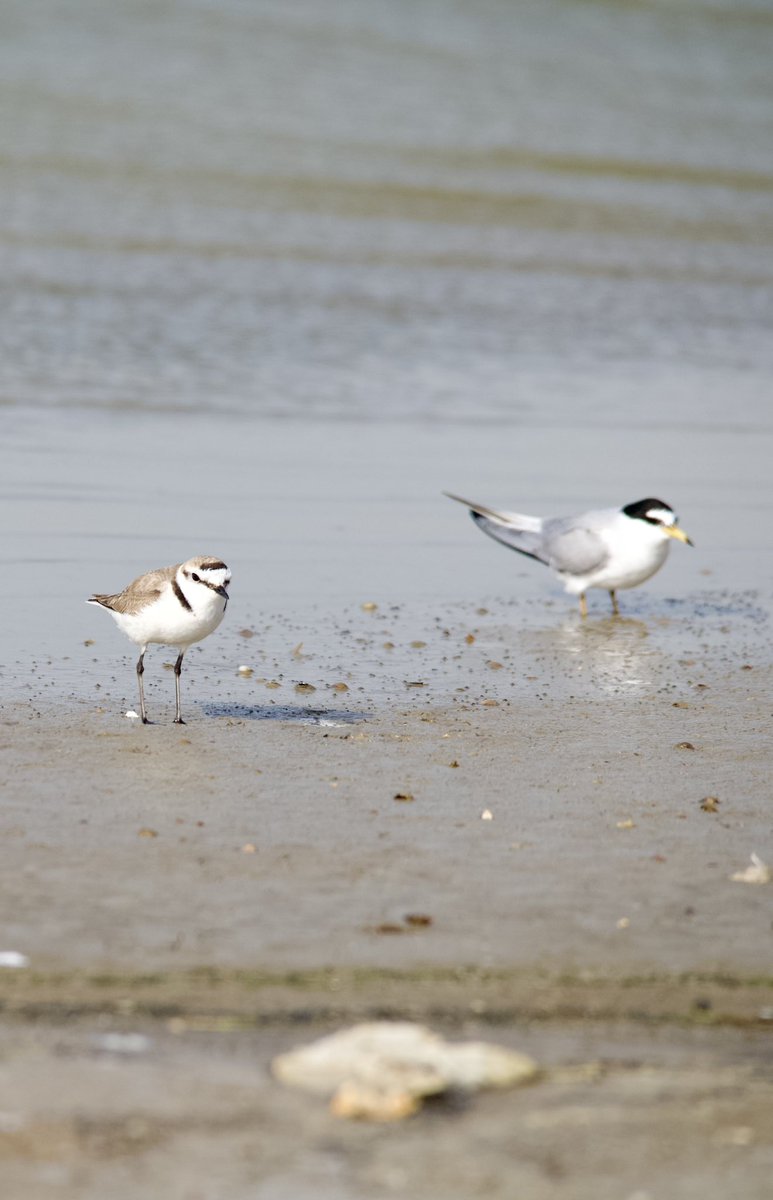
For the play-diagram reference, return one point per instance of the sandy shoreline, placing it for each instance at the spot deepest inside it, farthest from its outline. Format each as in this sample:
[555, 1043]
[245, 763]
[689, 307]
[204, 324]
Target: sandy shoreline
[295, 860]
[215, 894]
[181, 1112]
[240, 843]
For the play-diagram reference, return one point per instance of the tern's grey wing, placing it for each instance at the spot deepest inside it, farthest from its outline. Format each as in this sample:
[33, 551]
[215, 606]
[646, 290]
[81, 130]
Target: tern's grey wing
[573, 548]
[522, 540]
[140, 593]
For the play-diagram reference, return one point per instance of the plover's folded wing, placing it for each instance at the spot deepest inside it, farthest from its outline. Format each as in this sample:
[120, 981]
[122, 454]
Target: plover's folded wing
[573, 549]
[127, 602]
[139, 594]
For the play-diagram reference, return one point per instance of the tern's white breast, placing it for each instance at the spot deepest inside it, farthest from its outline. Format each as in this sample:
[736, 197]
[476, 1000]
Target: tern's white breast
[636, 551]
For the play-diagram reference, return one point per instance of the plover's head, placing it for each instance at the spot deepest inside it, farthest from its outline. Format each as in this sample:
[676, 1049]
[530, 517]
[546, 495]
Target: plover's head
[658, 516]
[209, 572]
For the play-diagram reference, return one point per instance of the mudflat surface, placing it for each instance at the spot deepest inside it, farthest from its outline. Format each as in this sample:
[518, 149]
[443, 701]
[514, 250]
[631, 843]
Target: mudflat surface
[544, 831]
[188, 1111]
[526, 860]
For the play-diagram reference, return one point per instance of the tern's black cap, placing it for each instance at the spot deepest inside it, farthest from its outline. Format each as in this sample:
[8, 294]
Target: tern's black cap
[644, 509]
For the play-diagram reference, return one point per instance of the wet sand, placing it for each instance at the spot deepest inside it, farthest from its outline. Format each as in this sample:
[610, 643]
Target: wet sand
[248, 881]
[187, 1111]
[256, 839]
[311, 849]
[218, 892]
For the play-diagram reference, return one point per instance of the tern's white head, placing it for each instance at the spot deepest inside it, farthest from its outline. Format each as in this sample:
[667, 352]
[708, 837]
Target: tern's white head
[660, 517]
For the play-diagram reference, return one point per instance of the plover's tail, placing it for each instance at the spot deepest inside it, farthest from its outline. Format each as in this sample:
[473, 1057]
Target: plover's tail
[103, 601]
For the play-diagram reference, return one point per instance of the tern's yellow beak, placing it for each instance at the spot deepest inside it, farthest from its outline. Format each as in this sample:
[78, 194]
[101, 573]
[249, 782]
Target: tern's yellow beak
[675, 532]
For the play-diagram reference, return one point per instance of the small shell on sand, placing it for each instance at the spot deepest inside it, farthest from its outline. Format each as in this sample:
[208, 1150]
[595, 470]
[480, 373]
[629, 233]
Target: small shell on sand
[382, 1070]
[758, 872]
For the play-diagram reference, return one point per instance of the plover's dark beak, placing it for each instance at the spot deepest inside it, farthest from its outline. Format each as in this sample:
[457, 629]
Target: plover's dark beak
[222, 592]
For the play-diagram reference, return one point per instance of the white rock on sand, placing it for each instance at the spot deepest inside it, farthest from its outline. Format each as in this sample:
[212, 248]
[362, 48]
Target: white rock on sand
[383, 1070]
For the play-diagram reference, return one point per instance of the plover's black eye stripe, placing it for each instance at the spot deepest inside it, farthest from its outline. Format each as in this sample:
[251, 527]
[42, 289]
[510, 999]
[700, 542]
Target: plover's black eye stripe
[181, 595]
[214, 587]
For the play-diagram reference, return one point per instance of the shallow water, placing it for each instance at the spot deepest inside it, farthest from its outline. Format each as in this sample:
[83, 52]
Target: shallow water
[529, 212]
[274, 277]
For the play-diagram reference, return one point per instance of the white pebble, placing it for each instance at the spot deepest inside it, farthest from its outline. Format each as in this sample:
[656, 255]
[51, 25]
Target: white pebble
[12, 958]
[758, 872]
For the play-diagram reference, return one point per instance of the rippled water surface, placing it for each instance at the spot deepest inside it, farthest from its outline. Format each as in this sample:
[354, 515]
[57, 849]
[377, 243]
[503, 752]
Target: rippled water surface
[375, 209]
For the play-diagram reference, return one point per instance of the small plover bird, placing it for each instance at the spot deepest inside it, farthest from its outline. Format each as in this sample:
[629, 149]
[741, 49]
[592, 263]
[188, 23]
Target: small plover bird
[610, 548]
[175, 606]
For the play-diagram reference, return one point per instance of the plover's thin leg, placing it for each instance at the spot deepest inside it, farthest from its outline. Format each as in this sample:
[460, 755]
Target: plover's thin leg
[583, 605]
[140, 672]
[613, 597]
[178, 666]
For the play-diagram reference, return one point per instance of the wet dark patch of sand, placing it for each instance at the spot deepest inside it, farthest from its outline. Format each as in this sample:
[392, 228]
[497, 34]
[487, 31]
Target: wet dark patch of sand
[102, 1106]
